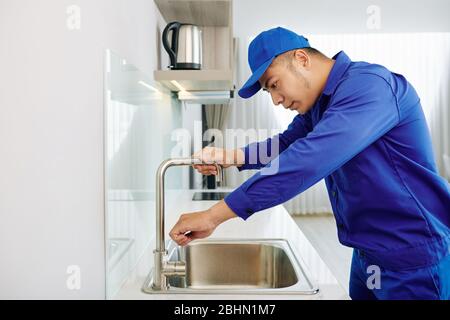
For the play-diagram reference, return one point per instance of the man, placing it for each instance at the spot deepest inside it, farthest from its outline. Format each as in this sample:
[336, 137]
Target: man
[362, 128]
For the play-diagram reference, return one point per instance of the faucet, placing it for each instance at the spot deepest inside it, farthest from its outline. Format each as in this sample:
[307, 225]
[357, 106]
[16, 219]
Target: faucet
[162, 267]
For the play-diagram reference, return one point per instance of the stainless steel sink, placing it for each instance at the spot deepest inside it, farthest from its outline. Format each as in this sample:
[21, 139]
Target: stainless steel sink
[224, 266]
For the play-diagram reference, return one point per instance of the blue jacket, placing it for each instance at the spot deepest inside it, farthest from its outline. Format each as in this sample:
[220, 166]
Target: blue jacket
[367, 136]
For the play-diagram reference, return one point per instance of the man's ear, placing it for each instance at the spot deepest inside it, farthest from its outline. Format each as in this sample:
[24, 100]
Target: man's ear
[302, 58]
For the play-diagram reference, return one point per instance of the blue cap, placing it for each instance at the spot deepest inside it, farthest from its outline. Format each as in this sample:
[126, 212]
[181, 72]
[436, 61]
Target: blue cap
[264, 49]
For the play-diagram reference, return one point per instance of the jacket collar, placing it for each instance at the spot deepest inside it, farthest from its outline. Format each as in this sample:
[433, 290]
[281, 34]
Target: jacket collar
[340, 66]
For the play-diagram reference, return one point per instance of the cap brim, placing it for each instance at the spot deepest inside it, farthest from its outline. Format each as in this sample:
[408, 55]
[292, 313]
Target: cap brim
[252, 85]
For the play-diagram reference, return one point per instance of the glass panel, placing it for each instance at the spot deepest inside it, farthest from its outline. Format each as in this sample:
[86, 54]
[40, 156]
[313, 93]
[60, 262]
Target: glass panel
[140, 116]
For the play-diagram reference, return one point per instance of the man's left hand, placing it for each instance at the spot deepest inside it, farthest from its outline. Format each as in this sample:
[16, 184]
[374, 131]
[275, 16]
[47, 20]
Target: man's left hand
[199, 225]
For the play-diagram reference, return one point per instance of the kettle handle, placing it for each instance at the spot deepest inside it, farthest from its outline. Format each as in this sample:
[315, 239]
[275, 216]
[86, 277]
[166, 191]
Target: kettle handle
[170, 48]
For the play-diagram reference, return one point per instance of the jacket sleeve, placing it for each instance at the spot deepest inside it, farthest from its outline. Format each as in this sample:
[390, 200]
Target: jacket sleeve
[362, 110]
[259, 154]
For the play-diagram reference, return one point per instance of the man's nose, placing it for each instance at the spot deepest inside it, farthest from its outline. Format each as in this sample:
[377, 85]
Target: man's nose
[277, 99]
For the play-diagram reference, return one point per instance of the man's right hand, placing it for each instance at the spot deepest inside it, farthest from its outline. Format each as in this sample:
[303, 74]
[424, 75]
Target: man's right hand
[212, 155]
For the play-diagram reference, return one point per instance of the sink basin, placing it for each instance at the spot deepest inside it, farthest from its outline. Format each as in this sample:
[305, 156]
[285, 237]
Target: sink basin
[238, 266]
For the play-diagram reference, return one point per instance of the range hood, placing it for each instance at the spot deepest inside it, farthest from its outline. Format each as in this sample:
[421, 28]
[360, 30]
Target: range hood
[206, 97]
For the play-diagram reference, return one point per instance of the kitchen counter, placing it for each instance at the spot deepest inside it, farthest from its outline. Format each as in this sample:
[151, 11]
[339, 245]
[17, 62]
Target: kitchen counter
[274, 223]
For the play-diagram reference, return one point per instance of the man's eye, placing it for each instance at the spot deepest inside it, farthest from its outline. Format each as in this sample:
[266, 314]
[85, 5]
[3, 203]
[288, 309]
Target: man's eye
[274, 85]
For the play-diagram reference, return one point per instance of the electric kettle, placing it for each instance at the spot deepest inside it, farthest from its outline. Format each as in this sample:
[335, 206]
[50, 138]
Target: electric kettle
[184, 46]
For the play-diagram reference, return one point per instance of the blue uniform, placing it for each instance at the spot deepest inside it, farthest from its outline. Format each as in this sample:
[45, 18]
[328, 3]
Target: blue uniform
[367, 136]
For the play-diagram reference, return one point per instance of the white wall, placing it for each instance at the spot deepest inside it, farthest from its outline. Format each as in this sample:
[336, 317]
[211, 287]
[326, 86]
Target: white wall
[51, 137]
[344, 16]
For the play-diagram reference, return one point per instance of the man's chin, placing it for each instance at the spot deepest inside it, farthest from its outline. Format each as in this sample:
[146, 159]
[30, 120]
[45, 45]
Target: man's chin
[303, 110]
[300, 111]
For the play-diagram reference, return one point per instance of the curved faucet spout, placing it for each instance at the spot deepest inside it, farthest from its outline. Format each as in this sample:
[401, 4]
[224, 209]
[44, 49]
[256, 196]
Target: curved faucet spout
[159, 280]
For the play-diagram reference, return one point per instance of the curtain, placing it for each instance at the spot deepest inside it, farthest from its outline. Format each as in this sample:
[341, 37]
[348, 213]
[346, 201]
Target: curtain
[423, 58]
[216, 116]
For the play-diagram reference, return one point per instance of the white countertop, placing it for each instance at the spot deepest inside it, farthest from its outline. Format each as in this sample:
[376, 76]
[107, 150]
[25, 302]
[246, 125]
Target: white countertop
[274, 223]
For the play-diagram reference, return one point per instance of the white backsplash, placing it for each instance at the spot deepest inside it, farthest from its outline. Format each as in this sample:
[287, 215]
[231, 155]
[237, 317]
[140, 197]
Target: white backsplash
[141, 116]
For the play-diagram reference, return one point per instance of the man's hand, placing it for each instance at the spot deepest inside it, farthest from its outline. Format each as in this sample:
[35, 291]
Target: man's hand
[225, 158]
[199, 225]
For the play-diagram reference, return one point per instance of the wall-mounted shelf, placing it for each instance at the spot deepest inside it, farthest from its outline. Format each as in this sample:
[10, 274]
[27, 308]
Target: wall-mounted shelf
[208, 13]
[214, 17]
[196, 80]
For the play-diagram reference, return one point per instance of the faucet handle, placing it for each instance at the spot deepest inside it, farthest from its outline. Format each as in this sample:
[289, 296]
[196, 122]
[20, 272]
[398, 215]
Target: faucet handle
[219, 168]
[219, 176]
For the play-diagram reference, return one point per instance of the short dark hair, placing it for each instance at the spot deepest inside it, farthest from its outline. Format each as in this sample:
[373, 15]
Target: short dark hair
[287, 56]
